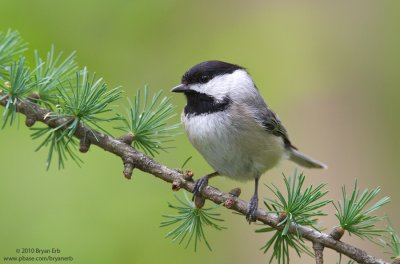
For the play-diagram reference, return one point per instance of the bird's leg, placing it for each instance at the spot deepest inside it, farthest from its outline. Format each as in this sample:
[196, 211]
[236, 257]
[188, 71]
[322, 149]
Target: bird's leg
[201, 183]
[253, 205]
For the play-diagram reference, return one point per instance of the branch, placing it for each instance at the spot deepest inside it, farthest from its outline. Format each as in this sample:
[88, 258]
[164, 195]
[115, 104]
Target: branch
[319, 253]
[131, 159]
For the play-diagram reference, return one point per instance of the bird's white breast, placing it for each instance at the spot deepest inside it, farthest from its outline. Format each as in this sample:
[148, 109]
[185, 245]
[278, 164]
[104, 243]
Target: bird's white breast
[236, 147]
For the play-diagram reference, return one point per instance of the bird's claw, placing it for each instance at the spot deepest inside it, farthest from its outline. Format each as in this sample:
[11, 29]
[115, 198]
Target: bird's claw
[252, 210]
[199, 186]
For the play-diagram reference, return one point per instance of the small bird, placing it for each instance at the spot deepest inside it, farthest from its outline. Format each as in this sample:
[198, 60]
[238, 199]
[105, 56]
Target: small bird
[229, 123]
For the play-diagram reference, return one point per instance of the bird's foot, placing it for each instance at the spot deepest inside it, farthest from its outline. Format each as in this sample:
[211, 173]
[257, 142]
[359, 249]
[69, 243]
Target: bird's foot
[252, 209]
[199, 186]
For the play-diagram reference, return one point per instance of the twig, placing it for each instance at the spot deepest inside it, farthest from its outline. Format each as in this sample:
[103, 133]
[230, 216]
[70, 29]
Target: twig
[138, 160]
[319, 253]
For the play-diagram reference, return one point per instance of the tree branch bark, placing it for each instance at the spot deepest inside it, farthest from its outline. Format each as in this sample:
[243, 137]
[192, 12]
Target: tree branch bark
[319, 253]
[131, 159]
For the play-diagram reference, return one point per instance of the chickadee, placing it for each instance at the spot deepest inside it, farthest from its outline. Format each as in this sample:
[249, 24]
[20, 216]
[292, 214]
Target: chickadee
[228, 122]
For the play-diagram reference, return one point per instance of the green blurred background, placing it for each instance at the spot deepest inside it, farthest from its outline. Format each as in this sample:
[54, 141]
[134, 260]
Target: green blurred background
[330, 69]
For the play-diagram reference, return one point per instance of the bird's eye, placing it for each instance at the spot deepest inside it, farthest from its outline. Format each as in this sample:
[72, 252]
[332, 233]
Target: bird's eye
[204, 78]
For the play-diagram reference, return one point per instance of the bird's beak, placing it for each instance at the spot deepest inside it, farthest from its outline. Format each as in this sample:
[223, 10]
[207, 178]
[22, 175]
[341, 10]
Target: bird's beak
[181, 88]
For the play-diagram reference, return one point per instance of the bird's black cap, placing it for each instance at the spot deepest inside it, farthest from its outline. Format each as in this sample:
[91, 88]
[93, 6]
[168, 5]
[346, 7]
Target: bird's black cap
[205, 71]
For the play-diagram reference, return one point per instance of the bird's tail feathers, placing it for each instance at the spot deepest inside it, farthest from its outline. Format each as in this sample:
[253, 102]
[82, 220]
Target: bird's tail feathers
[304, 160]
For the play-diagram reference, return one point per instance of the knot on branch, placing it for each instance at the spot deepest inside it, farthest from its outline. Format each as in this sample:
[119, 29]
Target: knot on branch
[30, 116]
[188, 175]
[176, 185]
[231, 201]
[30, 120]
[337, 233]
[84, 145]
[34, 97]
[199, 201]
[128, 167]
[127, 138]
[235, 192]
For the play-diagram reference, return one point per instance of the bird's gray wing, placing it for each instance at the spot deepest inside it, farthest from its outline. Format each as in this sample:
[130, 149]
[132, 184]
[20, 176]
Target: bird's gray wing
[270, 121]
[264, 115]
